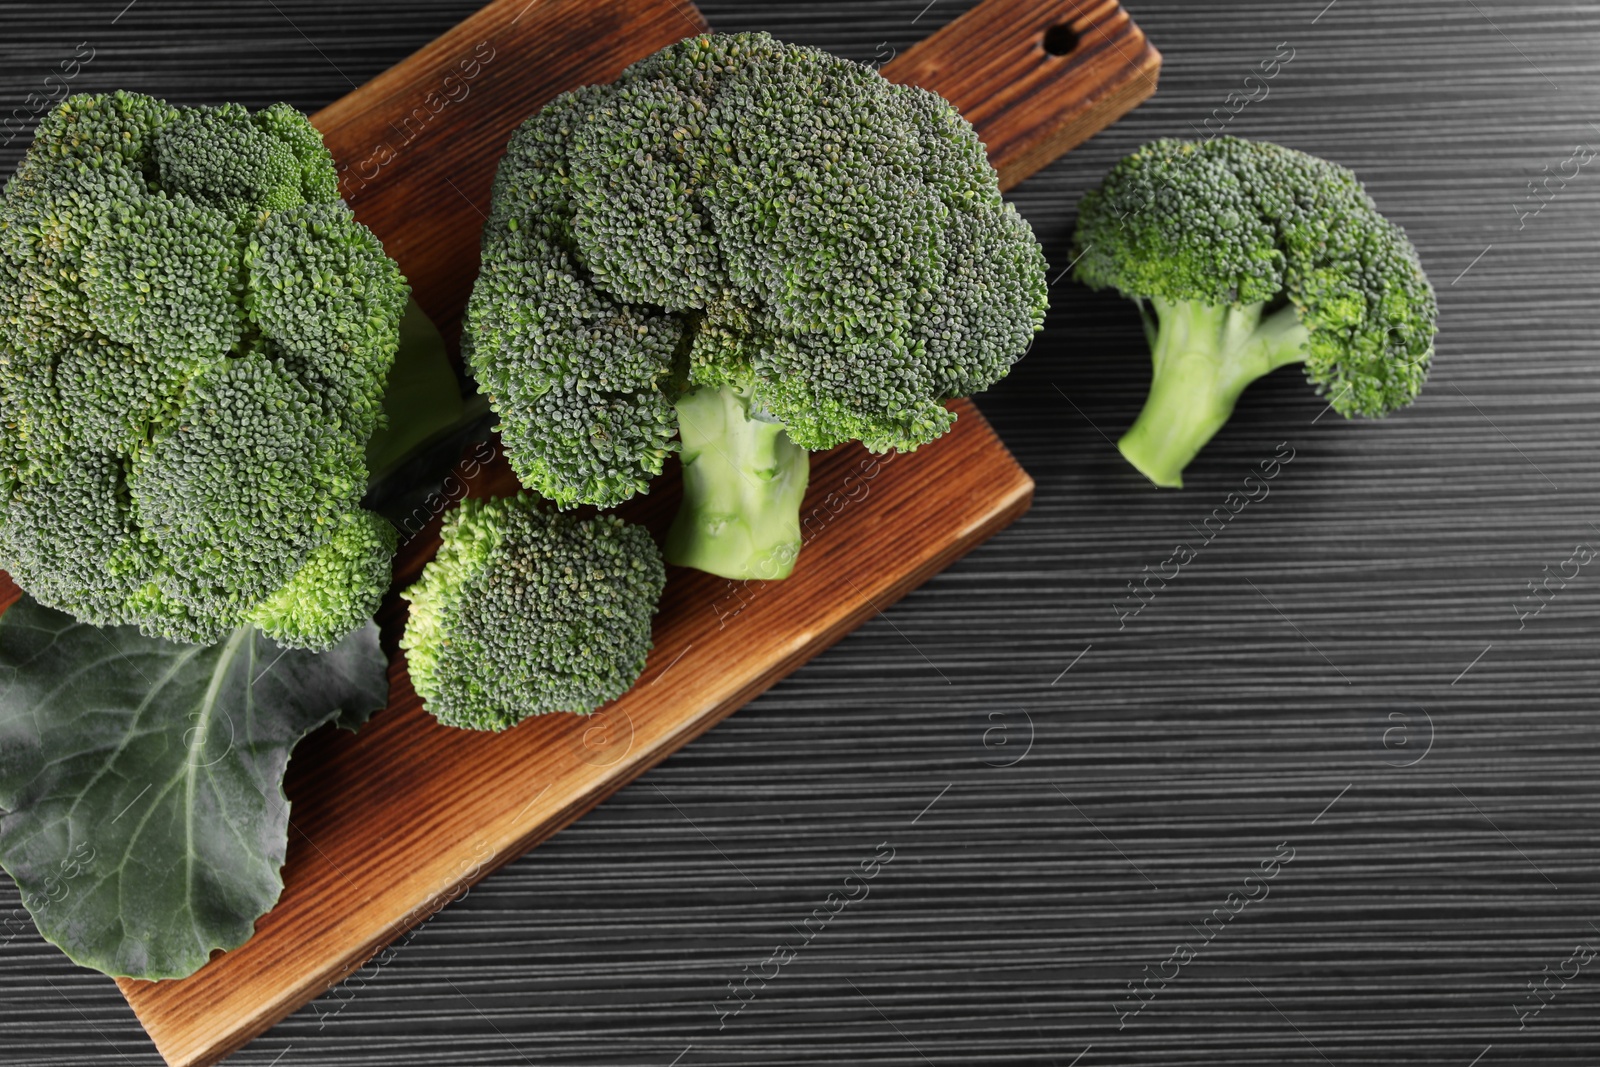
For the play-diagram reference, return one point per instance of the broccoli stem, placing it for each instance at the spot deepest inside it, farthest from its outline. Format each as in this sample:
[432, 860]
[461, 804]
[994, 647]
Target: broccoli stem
[1204, 357]
[743, 480]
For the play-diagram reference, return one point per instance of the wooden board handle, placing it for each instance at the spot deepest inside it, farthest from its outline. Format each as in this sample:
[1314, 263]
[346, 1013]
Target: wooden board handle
[1035, 77]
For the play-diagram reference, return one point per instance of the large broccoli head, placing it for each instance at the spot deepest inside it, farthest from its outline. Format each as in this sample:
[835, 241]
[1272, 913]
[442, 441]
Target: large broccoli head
[1253, 256]
[735, 214]
[195, 335]
[526, 612]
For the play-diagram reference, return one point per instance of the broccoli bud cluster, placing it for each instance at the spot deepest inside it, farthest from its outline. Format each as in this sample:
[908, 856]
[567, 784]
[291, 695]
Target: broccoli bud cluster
[1246, 256]
[195, 335]
[1236, 223]
[734, 212]
[525, 612]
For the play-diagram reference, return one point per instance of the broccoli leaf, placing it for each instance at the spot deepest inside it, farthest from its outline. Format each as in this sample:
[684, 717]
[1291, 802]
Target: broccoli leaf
[422, 397]
[142, 780]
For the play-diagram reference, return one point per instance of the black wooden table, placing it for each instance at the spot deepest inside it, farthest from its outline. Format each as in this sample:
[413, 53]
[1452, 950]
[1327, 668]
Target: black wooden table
[1055, 804]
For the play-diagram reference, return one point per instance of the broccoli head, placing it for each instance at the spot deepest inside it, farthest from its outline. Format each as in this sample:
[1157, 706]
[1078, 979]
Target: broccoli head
[746, 250]
[1250, 256]
[526, 611]
[195, 335]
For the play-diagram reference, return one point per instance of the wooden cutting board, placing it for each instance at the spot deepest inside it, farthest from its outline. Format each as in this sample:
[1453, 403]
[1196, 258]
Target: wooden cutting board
[389, 825]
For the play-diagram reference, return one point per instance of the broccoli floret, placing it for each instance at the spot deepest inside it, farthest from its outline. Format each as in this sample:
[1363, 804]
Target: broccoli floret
[195, 335]
[238, 162]
[757, 249]
[525, 611]
[1251, 256]
[336, 590]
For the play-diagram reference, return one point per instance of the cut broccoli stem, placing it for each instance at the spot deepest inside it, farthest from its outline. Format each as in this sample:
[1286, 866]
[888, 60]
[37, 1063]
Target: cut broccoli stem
[1204, 357]
[743, 480]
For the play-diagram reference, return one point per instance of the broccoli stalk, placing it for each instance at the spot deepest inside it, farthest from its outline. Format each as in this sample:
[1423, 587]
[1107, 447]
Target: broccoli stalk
[1203, 357]
[743, 480]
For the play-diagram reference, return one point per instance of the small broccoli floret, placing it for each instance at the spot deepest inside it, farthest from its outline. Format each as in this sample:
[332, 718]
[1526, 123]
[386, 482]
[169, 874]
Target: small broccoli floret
[525, 612]
[73, 538]
[226, 157]
[1250, 256]
[194, 340]
[770, 240]
[337, 588]
[320, 286]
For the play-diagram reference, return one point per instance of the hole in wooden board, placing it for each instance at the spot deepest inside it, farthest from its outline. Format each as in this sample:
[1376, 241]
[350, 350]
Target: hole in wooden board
[1060, 39]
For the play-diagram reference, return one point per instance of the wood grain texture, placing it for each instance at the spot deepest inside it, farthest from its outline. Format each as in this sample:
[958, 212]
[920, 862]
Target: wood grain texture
[390, 824]
[408, 814]
[1032, 93]
[1190, 743]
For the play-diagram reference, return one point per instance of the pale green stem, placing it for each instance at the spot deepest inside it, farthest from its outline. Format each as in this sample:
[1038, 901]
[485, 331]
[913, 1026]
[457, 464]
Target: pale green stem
[1203, 357]
[743, 481]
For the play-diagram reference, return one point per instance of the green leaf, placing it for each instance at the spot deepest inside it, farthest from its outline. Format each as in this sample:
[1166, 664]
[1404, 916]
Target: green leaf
[143, 780]
[422, 398]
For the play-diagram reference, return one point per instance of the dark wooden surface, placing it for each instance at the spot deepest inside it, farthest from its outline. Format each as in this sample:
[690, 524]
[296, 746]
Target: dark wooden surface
[1177, 754]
